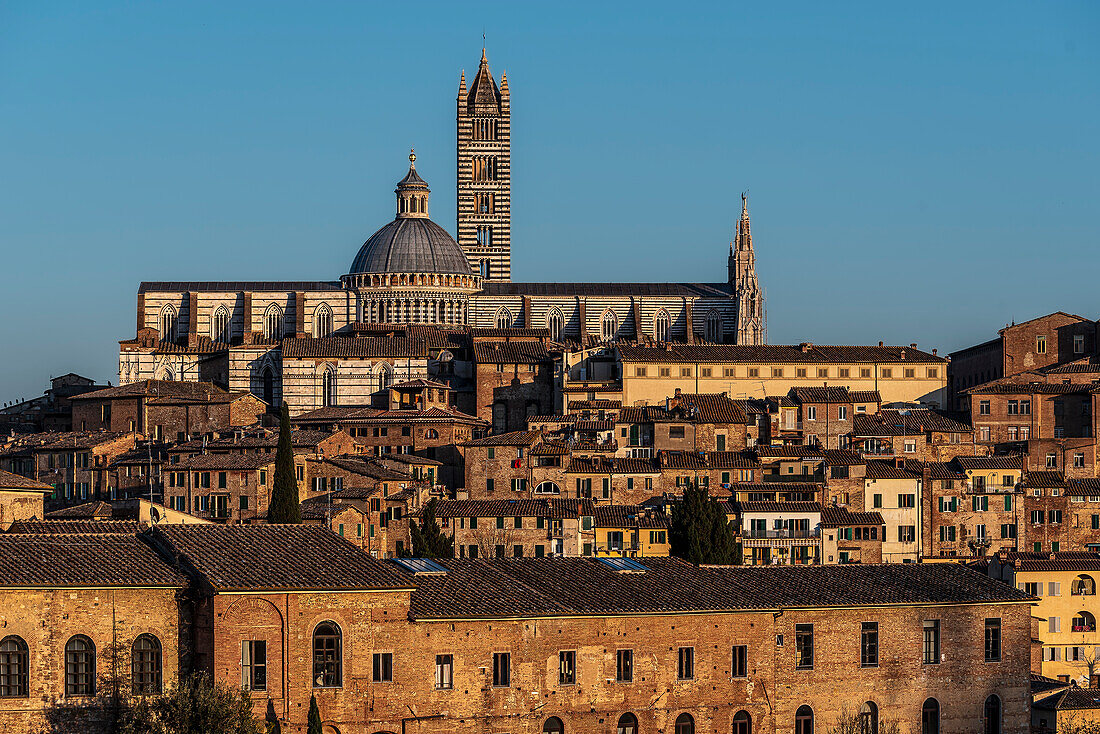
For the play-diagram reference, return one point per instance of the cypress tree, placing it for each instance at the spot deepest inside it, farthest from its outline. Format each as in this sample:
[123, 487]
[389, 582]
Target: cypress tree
[699, 532]
[313, 723]
[428, 540]
[284, 494]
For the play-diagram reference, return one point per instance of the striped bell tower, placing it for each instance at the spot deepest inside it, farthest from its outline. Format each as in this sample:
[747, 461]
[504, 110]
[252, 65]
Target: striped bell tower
[485, 173]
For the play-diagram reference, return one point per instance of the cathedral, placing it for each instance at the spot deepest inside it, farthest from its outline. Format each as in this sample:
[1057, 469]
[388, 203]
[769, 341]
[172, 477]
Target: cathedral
[316, 343]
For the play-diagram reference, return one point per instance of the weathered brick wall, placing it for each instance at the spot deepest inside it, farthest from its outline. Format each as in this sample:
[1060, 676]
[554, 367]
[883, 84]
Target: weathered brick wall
[771, 692]
[47, 619]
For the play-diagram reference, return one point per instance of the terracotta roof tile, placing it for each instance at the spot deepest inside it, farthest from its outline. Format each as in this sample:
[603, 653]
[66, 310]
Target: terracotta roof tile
[775, 354]
[270, 557]
[98, 560]
[556, 587]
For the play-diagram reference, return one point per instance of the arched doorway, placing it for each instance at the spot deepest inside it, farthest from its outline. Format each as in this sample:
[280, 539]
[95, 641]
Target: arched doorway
[628, 724]
[268, 379]
[930, 717]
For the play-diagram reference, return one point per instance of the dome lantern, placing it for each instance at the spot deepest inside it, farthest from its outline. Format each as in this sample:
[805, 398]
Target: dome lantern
[412, 193]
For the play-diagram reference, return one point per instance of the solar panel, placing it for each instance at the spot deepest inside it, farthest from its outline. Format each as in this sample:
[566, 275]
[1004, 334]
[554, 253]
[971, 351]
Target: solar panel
[421, 566]
[623, 565]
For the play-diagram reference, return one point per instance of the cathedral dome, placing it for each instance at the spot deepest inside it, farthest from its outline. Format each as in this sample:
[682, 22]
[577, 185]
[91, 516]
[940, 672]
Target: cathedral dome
[411, 243]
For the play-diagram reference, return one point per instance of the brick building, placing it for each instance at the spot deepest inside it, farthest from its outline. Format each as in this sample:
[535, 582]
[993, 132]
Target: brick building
[160, 409]
[76, 464]
[651, 645]
[1043, 343]
[21, 499]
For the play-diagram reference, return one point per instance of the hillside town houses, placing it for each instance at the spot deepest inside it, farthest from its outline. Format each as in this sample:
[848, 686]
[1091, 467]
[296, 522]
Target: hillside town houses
[922, 528]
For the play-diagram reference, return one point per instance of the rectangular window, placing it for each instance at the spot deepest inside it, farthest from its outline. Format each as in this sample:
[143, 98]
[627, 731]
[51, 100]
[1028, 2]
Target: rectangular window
[676, 432]
[221, 480]
[907, 500]
[624, 666]
[868, 645]
[444, 671]
[993, 640]
[685, 669]
[705, 372]
[907, 533]
[983, 407]
[842, 413]
[739, 665]
[887, 372]
[811, 413]
[931, 641]
[804, 646]
[1041, 344]
[754, 372]
[800, 372]
[383, 667]
[254, 665]
[877, 500]
[865, 372]
[910, 372]
[639, 371]
[1078, 343]
[567, 667]
[502, 669]
[777, 371]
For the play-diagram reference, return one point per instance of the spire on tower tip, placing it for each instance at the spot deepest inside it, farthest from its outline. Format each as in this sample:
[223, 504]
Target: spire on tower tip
[412, 157]
[744, 203]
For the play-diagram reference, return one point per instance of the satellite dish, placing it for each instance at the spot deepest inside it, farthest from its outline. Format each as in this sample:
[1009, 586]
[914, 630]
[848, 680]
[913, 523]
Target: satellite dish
[154, 515]
[445, 356]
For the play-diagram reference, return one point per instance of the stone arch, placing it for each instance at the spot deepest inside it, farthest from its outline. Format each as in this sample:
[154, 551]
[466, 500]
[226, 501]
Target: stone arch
[322, 320]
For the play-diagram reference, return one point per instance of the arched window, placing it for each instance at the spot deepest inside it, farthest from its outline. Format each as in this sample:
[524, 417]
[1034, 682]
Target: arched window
[14, 664]
[167, 375]
[500, 417]
[268, 379]
[504, 318]
[685, 724]
[431, 433]
[628, 724]
[1083, 585]
[547, 488]
[145, 666]
[328, 668]
[609, 325]
[322, 321]
[273, 322]
[661, 325]
[384, 375]
[1084, 622]
[553, 725]
[804, 720]
[168, 322]
[993, 715]
[328, 386]
[742, 723]
[555, 323]
[219, 325]
[79, 666]
[930, 717]
[868, 718]
[714, 327]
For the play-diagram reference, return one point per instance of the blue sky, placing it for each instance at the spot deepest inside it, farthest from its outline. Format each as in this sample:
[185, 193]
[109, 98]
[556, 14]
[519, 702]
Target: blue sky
[917, 172]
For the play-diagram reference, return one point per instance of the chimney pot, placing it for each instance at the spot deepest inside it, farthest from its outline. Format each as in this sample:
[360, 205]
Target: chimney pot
[880, 344]
[933, 351]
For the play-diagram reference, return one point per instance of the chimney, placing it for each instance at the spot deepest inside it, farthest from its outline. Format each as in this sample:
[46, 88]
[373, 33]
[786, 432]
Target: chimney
[805, 346]
[903, 354]
[913, 345]
[933, 351]
[880, 344]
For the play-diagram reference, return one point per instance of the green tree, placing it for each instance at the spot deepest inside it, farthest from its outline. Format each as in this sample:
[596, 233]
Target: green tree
[284, 494]
[193, 706]
[699, 532]
[429, 540]
[313, 723]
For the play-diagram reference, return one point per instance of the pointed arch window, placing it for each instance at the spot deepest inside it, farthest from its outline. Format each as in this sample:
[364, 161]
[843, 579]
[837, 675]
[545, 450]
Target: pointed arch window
[219, 325]
[714, 327]
[327, 656]
[555, 323]
[384, 375]
[168, 324]
[868, 718]
[504, 318]
[79, 666]
[14, 665]
[993, 715]
[273, 323]
[609, 325]
[328, 386]
[267, 378]
[146, 677]
[661, 325]
[322, 321]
